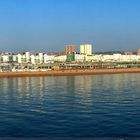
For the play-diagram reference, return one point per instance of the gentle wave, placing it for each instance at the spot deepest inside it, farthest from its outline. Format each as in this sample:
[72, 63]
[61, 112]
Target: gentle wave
[70, 106]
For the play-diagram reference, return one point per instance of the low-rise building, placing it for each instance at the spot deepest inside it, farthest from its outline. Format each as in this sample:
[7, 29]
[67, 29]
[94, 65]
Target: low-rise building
[6, 58]
[61, 58]
[37, 58]
[49, 58]
[79, 58]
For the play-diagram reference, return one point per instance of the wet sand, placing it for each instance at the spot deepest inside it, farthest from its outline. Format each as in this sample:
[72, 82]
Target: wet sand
[69, 72]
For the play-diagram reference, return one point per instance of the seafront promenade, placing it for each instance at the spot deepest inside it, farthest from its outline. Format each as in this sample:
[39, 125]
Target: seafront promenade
[69, 72]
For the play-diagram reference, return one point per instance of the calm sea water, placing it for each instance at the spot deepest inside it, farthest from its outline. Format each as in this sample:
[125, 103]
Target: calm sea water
[70, 106]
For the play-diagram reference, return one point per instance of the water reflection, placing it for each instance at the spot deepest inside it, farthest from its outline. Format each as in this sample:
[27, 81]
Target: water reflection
[72, 89]
[85, 84]
[69, 105]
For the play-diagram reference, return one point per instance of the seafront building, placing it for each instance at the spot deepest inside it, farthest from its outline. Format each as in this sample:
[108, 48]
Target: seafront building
[138, 51]
[70, 59]
[86, 49]
[70, 49]
[79, 58]
[60, 58]
[7, 58]
[23, 57]
[48, 59]
[37, 58]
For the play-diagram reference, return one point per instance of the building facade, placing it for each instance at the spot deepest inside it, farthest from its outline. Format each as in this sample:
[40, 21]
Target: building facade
[23, 57]
[86, 49]
[70, 49]
[48, 58]
[138, 51]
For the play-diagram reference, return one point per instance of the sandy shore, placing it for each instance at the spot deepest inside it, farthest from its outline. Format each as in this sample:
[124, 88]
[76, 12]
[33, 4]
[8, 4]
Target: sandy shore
[69, 72]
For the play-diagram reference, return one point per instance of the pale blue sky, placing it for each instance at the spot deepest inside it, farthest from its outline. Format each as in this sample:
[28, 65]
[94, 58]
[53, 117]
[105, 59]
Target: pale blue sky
[48, 25]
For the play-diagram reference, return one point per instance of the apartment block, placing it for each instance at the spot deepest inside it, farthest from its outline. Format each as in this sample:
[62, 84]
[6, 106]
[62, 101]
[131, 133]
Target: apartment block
[70, 49]
[86, 49]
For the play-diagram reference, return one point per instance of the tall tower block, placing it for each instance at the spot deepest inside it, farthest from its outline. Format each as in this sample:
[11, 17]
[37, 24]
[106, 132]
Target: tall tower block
[86, 49]
[70, 49]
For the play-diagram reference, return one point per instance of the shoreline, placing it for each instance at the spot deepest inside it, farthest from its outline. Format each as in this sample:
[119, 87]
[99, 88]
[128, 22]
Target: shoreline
[69, 72]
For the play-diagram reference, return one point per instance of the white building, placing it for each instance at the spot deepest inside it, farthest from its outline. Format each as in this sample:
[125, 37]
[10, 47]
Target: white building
[14, 58]
[129, 58]
[33, 59]
[49, 58]
[60, 58]
[117, 57]
[37, 58]
[79, 58]
[107, 58]
[6, 58]
[23, 57]
[138, 58]
[86, 49]
[97, 58]
[41, 58]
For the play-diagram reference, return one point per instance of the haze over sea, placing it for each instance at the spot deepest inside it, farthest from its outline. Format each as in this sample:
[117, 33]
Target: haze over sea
[70, 106]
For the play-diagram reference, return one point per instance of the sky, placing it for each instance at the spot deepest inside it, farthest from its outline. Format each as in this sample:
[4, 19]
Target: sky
[49, 25]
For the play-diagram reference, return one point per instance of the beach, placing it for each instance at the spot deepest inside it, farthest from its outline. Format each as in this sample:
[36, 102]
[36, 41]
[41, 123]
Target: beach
[68, 72]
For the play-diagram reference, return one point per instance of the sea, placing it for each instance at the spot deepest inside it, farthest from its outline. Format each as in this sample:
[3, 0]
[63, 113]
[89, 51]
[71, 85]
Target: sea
[84, 106]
